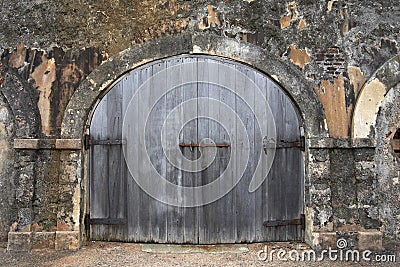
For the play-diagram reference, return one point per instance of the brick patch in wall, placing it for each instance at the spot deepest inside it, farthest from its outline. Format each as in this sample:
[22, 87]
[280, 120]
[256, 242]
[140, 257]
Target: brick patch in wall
[332, 61]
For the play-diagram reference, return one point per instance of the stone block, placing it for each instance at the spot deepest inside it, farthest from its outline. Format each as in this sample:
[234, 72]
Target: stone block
[67, 240]
[73, 144]
[26, 143]
[63, 226]
[19, 241]
[324, 240]
[371, 240]
[43, 240]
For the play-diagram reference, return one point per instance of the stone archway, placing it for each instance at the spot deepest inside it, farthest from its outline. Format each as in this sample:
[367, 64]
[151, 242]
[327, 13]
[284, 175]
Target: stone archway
[101, 79]
[376, 117]
[371, 96]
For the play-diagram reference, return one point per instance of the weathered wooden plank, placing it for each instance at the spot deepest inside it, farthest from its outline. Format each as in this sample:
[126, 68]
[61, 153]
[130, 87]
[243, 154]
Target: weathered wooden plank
[159, 212]
[282, 174]
[260, 206]
[175, 220]
[115, 178]
[99, 194]
[203, 132]
[272, 181]
[130, 85]
[189, 135]
[227, 206]
[247, 198]
[209, 226]
[145, 217]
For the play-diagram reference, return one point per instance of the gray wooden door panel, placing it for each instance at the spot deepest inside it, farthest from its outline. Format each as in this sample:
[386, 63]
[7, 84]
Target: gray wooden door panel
[239, 215]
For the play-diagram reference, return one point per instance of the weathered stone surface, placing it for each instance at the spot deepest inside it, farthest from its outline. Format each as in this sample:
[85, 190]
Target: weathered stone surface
[19, 241]
[26, 143]
[67, 240]
[338, 60]
[43, 240]
[7, 172]
[387, 167]
[371, 240]
[69, 144]
[325, 240]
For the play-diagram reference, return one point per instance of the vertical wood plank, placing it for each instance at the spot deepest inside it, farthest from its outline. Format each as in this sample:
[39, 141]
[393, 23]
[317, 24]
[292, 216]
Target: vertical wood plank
[190, 134]
[175, 219]
[145, 219]
[248, 198]
[261, 208]
[159, 213]
[99, 204]
[203, 132]
[115, 179]
[130, 86]
[211, 223]
[227, 205]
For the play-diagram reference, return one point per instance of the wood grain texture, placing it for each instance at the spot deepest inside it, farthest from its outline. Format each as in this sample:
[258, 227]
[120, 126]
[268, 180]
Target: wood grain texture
[236, 217]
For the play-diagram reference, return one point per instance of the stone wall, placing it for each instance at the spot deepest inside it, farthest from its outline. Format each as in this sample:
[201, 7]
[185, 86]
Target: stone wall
[7, 170]
[333, 57]
[387, 165]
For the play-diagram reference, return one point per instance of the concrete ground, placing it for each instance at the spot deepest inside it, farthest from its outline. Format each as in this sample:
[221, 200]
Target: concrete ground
[128, 254]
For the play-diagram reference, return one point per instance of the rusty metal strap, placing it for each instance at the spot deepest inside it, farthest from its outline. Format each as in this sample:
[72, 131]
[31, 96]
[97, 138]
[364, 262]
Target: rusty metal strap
[106, 142]
[107, 221]
[203, 145]
[297, 221]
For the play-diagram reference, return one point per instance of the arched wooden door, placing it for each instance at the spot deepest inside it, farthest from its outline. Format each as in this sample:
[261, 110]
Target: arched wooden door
[121, 211]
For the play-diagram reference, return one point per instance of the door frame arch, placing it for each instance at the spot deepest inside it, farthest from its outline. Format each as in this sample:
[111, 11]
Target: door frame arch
[289, 78]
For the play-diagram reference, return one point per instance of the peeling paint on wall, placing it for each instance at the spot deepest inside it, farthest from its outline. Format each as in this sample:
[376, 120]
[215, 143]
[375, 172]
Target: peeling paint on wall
[17, 58]
[299, 57]
[332, 97]
[291, 15]
[302, 24]
[44, 76]
[55, 74]
[330, 4]
[357, 78]
[367, 108]
[213, 19]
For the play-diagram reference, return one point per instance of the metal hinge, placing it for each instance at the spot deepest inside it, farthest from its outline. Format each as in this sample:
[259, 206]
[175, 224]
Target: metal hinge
[108, 221]
[87, 224]
[107, 142]
[270, 144]
[90, 142]
[86, 141]
[299, 221]
[286, 144]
